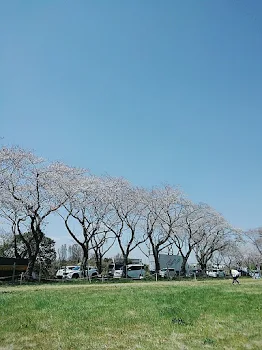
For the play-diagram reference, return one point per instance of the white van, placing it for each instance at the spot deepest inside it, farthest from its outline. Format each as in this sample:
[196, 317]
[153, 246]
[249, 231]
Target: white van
[135, 271]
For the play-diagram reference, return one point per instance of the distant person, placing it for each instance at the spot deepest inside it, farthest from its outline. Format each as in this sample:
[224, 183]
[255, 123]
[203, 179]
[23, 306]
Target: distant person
[235, 275]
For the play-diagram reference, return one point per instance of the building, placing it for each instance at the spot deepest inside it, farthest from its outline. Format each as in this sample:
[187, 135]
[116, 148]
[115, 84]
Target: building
[10, 267]
[166, 261]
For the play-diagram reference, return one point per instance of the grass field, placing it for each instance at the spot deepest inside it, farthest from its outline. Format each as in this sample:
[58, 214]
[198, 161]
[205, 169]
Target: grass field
[212, 314]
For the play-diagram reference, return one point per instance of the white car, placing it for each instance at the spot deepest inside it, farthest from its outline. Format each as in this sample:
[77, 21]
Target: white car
[78, 273]
[216, 273]
[255, 274]
[64, 271]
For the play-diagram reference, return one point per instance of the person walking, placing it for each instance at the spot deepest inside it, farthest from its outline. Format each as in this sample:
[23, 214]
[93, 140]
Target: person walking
[235, 275]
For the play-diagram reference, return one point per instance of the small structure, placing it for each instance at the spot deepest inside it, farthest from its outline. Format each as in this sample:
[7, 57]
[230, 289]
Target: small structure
[10, 267]
[166, 261]
[134, 269]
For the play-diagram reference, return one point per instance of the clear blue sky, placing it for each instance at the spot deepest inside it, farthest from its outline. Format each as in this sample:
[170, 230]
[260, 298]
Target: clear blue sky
[155, 91]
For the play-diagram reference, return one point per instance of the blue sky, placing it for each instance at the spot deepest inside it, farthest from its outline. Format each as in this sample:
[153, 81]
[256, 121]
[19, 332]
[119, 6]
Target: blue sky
[155, 91]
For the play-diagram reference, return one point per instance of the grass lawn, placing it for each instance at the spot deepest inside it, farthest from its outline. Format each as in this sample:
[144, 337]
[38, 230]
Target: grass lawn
[211, 314]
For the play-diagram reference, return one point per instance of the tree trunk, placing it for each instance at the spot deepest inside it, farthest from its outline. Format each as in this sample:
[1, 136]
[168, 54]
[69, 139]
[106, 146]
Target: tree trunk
[156, 258]
[33, 252]
[98, 258]
[183, 266]
[84, 262]
[17, 255]
[125, 257]
[184, 262]
[203, 267]
[30, 267]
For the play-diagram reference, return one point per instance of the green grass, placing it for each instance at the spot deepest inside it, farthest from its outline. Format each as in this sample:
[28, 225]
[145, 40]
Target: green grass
[154, 315]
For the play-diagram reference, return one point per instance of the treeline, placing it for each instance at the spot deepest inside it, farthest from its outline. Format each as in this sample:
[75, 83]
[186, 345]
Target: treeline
[99, 212]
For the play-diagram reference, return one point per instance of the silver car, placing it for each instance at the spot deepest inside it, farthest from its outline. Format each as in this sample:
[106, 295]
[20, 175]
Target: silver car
[167, 272]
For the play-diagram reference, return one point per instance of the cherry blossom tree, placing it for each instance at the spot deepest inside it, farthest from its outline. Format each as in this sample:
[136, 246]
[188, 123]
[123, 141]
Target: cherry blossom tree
[125, 212]
[31, 190]
[255, 237]
[188, 231]
[13, 158]
[9, 214]
[101, 243]
[160, 218]
[230, 256]
[215, 235]
[83, 215]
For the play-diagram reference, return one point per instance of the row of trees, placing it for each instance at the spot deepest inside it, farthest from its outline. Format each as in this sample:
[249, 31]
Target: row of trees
[99, 212]
[69, 253]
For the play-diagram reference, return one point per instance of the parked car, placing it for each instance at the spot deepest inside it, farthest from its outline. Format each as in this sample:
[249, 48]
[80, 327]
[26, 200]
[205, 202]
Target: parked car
[167, 272]
[64, 271]
[256, 274]
[194, 273]
[135, 271]
[77, 272]
[216, 273]
[115, 270]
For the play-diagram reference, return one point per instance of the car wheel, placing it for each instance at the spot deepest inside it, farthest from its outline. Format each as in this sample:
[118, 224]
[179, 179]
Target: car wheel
[75, 275]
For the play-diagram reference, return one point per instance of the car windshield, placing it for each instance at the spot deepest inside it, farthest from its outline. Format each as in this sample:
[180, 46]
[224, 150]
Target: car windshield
[118, 266]
[135, 268]
[76, 268]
